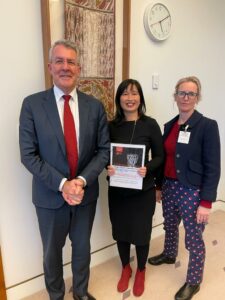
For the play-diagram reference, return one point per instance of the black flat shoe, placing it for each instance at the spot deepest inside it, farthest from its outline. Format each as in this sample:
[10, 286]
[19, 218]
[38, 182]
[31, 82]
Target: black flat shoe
[161, 259]
[187, 291]
[85, 297]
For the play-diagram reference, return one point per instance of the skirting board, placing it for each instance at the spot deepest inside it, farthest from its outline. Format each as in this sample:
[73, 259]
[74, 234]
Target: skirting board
[37, 284]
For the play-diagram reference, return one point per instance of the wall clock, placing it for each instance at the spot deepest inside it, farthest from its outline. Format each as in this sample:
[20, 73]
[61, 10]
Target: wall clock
[157, 21]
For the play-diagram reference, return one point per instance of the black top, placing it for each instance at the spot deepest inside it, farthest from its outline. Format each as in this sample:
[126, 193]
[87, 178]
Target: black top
[144, 131]
[131, 210]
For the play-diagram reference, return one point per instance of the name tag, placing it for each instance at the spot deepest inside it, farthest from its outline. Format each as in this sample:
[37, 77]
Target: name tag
[184, 137]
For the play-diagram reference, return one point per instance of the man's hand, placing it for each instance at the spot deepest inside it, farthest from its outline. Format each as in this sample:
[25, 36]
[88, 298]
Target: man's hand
[73, 191]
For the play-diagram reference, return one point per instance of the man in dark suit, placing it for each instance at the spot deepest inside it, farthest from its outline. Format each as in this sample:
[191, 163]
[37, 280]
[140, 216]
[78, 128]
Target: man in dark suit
[65, 203]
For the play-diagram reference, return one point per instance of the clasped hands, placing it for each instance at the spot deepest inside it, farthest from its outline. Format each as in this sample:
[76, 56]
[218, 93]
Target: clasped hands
[73, 191]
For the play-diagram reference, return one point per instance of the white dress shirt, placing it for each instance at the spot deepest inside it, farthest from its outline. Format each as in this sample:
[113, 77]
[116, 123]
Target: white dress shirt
[73, 102]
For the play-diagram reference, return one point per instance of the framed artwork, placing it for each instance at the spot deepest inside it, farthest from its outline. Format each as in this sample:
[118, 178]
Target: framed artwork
[91, 25]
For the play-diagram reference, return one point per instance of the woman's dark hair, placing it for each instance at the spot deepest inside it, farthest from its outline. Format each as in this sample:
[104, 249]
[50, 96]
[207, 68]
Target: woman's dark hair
[119, 114]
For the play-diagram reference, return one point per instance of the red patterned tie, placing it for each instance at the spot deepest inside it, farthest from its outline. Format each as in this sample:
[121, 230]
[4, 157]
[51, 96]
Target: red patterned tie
[70, 137]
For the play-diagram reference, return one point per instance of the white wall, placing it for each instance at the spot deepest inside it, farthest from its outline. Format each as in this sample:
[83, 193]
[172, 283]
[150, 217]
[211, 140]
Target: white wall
[195, 46]
[21, 74]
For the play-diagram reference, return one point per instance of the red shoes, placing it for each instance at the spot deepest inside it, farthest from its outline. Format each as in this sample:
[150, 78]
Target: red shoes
[139, 283]
[124, 279]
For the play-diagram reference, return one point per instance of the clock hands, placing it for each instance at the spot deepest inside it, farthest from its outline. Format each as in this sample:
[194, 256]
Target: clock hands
[157, 21]
[160, 22]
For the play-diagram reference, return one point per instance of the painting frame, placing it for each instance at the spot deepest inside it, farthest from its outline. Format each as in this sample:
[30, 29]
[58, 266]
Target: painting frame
[46, 39]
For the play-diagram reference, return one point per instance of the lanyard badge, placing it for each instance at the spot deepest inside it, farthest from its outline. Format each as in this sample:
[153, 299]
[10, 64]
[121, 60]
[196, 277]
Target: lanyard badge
[184, 136]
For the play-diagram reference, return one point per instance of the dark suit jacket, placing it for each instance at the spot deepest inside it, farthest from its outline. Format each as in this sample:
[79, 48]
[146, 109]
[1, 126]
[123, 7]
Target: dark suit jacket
[198, 162]
[43, 150]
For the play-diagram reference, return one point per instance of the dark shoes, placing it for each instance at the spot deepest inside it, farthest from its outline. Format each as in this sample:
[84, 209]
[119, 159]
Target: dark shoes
[86, 297]
[187, 291]
[161, 259]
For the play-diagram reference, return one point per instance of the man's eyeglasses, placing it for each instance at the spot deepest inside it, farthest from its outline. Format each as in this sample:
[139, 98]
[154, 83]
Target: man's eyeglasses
[183, 94]
[61, 61]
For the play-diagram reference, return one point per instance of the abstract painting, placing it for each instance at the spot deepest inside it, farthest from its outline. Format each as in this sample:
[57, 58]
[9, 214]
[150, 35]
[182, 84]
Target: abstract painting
[90, 24]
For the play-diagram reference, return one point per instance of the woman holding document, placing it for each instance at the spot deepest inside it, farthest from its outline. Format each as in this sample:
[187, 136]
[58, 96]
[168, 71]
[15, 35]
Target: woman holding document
[131, 209]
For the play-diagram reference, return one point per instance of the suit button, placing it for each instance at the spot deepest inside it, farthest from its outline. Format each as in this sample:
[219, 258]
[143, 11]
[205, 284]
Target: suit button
[178, 155]
[178, 171]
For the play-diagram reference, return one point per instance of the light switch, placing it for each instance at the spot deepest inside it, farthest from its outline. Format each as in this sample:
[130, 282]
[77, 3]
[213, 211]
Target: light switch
[155, 81]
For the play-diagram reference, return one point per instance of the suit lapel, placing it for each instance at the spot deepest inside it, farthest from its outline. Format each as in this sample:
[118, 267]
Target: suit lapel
[168, 126]
[83, 119]
[50, 107]
[194, 119]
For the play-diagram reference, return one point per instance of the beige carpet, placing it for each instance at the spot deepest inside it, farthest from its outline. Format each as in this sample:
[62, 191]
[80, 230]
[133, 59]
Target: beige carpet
[162, 282]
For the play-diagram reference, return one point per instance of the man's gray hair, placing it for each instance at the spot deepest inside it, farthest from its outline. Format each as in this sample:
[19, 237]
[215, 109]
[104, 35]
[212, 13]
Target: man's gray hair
[65, 43]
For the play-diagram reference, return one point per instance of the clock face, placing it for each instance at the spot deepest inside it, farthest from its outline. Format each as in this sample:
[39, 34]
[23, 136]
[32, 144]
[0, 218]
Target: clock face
[157, 21]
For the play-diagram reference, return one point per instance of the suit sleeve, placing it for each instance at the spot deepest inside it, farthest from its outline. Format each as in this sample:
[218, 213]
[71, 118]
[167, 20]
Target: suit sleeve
[211, 161]
[29, 130]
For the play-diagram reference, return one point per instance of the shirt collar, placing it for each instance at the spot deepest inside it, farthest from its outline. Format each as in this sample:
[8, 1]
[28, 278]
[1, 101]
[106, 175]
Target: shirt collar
[59, 93]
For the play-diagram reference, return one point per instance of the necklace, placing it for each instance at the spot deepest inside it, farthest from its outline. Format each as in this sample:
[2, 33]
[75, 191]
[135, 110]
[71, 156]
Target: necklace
[131, 139]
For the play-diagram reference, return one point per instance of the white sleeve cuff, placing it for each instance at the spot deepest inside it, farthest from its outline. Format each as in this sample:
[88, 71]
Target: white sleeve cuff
[84, 180]
[62, 183]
